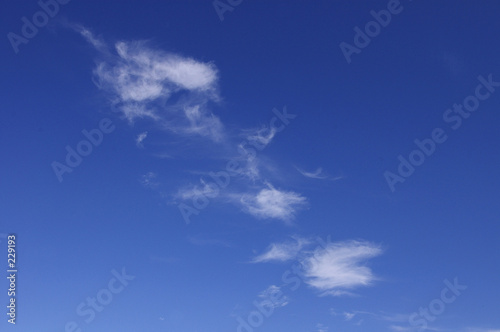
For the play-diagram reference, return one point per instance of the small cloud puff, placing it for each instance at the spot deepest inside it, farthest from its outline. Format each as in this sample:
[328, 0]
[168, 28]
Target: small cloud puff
[273, 203]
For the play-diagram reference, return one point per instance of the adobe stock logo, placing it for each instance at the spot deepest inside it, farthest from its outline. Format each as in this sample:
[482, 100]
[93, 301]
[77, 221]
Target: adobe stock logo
[83, 148]
[454, 116]
[437, 306]
[223, 6]
[372, 29]
[29, 29]
[88, 310]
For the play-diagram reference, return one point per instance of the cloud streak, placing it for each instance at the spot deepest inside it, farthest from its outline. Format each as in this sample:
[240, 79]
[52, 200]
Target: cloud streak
[273, 203]
[339, 267]
[318, 174]
[149, 180]
[141, 137]
[146, 83]
[282, 252]
[333, 269]
[273, 292]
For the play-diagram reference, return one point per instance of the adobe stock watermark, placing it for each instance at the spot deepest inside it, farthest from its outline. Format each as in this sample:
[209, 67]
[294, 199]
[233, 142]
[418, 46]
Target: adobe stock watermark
[222, 178]
[372, 29]
[292, 278]
[437, 306]
[222, 6]
[74, 157]
[454, 117]
[29, 29]
[93, 305]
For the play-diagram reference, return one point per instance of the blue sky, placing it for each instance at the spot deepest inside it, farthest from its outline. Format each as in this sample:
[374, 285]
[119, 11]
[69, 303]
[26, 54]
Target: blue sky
[201, 166]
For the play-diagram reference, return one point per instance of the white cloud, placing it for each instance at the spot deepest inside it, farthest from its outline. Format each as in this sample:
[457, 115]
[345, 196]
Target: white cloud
[274, 295]
[349, 315]
[318, 174]
[251, 169]
[147, 83]
[210, 190]
[141, 73]
[273, 203]
[90, 38]
[338, 268]
[148, 180]
[141, 137]
[132, 111]
[321, 328]
[250, 164]
[260, 137]
[332, 268]
[255, 139]
[333, 312]
[203, 123]
[282, 252]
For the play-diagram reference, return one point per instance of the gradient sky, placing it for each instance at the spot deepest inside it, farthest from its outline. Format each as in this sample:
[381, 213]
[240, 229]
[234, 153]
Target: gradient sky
[306, 225]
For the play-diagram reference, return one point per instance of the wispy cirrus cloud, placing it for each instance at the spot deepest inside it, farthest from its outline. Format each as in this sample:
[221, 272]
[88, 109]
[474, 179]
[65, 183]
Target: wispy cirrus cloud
[98, 43]
[175, 93]
[141, 137]
[274, 292]
[208, 189]
[282, 252]
[143, 82]
[318, 174]
[266, 203]
[273, 203]
[259, 137]
[339, 267]
[334, 269]
[321, 328]
[203, 122]
[149, 180]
